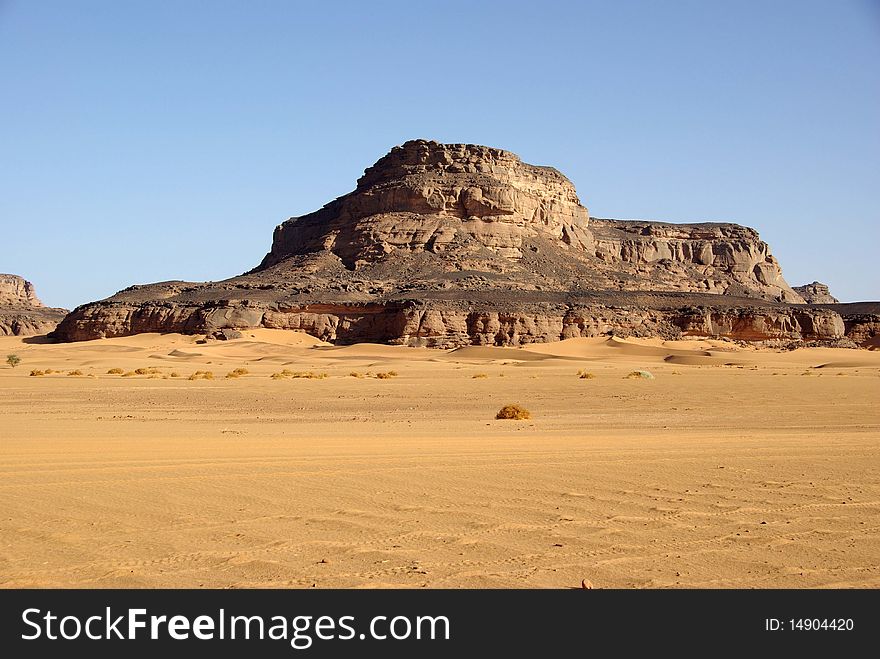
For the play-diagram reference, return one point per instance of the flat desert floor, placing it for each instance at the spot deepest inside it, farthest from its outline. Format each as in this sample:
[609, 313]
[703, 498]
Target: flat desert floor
[733, 467]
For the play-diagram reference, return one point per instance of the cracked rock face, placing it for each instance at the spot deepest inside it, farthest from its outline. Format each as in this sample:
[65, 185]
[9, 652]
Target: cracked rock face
[21, 312]
[455, 244]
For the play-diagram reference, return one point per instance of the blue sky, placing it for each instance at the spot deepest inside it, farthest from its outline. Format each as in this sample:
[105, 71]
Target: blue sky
[146, 141]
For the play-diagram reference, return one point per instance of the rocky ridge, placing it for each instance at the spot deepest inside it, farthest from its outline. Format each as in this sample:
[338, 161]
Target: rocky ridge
[452, 244]
[21, 312]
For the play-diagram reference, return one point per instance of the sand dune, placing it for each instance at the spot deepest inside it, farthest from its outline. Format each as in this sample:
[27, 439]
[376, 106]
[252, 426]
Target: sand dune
[761, 474]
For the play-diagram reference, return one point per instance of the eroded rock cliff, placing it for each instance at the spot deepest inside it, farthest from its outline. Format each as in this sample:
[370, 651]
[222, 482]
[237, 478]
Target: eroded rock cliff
[21, 312]
[453, 244]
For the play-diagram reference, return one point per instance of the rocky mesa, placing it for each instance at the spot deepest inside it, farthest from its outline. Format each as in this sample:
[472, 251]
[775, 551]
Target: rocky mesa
[456, 244]
[21, 312]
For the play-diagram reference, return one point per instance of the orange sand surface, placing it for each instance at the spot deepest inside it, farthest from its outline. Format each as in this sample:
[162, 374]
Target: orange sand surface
[732, 467]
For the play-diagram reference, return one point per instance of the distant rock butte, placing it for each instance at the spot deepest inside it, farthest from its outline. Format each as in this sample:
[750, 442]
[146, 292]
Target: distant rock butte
[21, 312]
[816, 293]
[454, 244]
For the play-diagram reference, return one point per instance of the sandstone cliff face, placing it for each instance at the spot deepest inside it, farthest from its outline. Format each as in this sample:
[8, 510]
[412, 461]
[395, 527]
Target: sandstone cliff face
[425, 196]
[15, 290]
[451, 244]
[466, 207]
[441, 325]
[21, 312]
[816, 293]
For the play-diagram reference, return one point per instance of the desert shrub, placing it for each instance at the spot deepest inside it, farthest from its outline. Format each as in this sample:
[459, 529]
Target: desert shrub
[586, 375]
[392, 373]
[309, 375]
[13, 360]
[115, 371]
[49, 371]
[37, 373]
[640, 375]
[146, 371]
[386, 376]
[175, 374]
[75, 372]
[238, 372]
[355, 374]
[479, 376]
[514, 411]
[202, 375]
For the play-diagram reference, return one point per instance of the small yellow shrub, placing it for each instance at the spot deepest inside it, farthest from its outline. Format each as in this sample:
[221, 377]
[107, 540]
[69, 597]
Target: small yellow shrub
[514, 411]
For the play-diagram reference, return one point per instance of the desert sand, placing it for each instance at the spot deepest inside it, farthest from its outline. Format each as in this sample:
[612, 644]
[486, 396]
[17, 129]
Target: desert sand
[733, 467]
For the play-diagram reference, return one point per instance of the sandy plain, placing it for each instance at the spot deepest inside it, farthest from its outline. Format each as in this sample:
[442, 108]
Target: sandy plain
[733, 467]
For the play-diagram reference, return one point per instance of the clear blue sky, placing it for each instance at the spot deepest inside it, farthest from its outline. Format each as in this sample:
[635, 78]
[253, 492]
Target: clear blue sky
[152, 140]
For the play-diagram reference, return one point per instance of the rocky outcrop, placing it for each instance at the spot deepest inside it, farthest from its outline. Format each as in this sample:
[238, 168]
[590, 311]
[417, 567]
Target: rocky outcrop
[437, 209]
[442, 323]
[21, 312]
[452, 244]
[816, 293]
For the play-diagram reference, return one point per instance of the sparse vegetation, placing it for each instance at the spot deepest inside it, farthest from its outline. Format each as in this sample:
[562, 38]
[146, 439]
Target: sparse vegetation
[355, 374]
[386, 376]
[175, 374]
[586, 375]
[514, 411]
[236, 373]
[147, 371]
[13, 360]
[202, 375]
[479, 376]
[49, 371]
[36, 373]
[309, 375]
[640, 375]
[115, 371]
[75, 372]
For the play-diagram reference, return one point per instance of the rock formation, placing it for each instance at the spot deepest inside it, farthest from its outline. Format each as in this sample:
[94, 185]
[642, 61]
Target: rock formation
[452, 244]
[21, 312]
[816, 293]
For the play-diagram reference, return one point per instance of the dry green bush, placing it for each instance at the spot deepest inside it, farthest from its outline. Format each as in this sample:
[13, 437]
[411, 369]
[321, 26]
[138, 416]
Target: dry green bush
[75, 372]
[386, 376]
[37, 373]
[115, 371]
[640, 375]
[514, 411]
[13, 360]
[152, 370]
[586, 375]
[202, 375]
